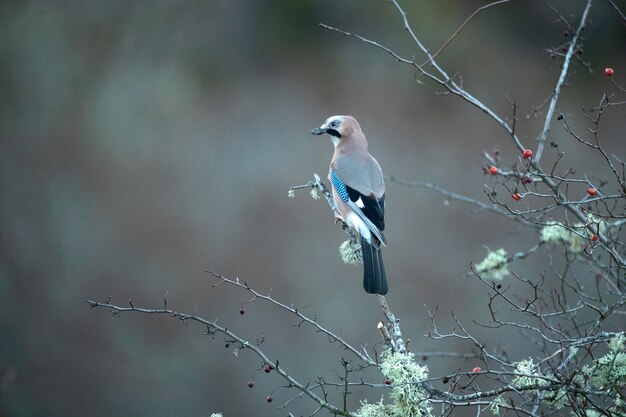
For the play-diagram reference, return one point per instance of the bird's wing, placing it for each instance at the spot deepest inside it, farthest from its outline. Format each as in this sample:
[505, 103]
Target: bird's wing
[373, 208]
[360, 172]
[369, 208]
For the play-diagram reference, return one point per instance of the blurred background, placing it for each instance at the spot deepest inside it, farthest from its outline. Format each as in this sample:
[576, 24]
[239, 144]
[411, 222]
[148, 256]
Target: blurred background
[143, 143]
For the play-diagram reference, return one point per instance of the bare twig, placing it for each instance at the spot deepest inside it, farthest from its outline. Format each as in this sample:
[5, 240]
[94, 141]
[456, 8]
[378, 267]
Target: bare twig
[212, 328]
[456, 32]
[333, 337]
[459, 197]
[561, 82]
[619, 12]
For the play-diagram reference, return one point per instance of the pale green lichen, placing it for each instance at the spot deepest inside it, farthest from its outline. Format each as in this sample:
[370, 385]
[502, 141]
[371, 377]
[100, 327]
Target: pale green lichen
[409, 399]
[557, 399]
[494, 266]
[350, 252]
[532, 377]
[314, 194]
[607, 373]
[556, 232]
[576, 243]
[291, 194]
[495, 405]
[617, 343]
[374, 410]
[216, 415]
[600, 225]
[575, 236]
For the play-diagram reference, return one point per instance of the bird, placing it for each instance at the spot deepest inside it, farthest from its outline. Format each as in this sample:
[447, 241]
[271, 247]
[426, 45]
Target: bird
[358, 188]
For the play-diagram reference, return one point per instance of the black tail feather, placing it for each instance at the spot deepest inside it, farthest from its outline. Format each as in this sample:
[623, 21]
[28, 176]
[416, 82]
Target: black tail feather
[374, 278]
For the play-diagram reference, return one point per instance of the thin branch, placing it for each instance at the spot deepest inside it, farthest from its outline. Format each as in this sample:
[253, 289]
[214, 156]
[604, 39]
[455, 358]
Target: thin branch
[619, 12]
[561, 82]
[213, 327]
[376, 44]
[331, 336]
[456, 32]
[459, 197]
[449, 83]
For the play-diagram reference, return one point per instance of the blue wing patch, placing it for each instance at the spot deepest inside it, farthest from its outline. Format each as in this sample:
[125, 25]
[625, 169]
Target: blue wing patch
[339, 186]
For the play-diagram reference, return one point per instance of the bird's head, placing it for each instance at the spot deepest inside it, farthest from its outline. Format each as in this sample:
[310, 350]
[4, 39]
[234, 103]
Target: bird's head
[338, 127]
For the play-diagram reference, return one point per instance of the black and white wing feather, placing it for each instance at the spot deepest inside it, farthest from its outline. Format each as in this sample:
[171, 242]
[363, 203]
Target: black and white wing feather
[369, 208]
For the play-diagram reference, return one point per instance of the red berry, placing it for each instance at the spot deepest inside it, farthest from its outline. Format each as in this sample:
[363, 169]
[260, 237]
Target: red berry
[267, 369]
[242, 311]
[526, 180]
[250, 383]
[594, 238]
[592, 191]
[269, 399]
[476, 369]
[493, 170]
[609, 72]
[516, 197]
[527, 153]
[388, 381]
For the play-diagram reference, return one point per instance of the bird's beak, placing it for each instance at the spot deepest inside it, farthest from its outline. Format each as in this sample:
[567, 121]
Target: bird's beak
[318, 131]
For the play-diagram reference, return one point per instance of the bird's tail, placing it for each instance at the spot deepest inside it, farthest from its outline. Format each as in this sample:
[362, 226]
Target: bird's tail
[374, 278]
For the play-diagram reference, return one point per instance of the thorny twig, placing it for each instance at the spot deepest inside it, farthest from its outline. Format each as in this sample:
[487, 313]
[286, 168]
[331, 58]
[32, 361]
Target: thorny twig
[212, 328]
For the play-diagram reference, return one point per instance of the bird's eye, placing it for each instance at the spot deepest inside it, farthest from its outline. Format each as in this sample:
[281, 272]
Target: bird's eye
[334, 124]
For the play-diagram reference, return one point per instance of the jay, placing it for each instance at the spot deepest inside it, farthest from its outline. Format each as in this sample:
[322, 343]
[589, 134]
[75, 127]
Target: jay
[359, 191]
